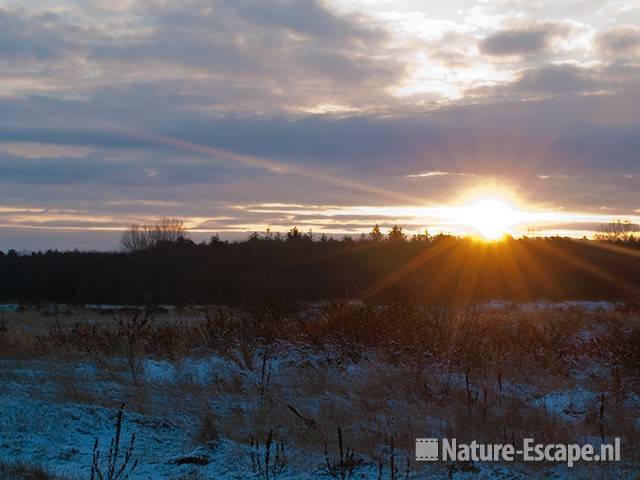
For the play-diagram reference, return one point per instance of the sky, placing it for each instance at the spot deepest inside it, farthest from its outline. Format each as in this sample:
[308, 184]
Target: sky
[238, 116]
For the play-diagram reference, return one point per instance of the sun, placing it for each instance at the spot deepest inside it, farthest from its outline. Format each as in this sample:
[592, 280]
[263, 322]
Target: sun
[490, 218]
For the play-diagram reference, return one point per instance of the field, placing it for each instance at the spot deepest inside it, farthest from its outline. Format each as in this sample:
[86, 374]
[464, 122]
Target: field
[337, 390]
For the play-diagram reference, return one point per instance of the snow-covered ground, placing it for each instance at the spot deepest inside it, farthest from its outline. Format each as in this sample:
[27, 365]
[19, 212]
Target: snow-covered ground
[9, 307]
[544, 305]
[52, 412]
[584, 305]
[194, 416]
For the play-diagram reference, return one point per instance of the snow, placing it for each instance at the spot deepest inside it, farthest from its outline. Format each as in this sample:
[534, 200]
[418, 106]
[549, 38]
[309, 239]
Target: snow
[60, 437]
[547, 306]
[37, 428]
[573, 403]
[41, 424]
[9, 307]
[501, 305]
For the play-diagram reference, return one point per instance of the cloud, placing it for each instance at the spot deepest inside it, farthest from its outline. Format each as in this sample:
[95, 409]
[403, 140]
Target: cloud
[437, 173]
[510, 139]
[565, 80]
[292, 52]
[95, 92]
[522, 41]
[556, 79]
[619, 43]
[215, 56]
[25, 36]
[433, 173]
[113, 170]
[306, 17]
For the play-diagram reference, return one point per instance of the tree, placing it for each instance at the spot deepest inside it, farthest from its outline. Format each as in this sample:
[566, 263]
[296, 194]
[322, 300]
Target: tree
[294, 235]
[621, 230]
[376, 234]
[396, 234]
[143, 237]
[421, 237]
[215, 239]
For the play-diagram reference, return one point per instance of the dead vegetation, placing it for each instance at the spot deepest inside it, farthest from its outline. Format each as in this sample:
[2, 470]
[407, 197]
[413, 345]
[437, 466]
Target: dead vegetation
[119, 463]
[344, 464]
[268, 457]
[387, 374]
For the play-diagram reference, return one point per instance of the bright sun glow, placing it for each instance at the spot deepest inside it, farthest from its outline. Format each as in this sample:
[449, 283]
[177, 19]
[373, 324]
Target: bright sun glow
[490, 218]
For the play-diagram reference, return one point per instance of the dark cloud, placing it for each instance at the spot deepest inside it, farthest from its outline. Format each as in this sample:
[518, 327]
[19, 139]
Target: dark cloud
[306, 17]
[619, 81]
[290, 49]
[25, 36]
[526, 41]
[65, 171]
[562, 80]
[146, 170]
[619, 42]
[480, 139]
[556, 79]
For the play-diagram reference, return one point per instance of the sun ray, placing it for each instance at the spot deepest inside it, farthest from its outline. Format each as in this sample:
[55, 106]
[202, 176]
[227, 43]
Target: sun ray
[440, 279]
[535, 269]
[471, 268]
[406, 269]
[616, 248]
[515, 279]
[589, 267]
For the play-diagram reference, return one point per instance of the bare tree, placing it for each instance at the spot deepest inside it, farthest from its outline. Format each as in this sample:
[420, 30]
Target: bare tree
[142, 237]
[621, 230]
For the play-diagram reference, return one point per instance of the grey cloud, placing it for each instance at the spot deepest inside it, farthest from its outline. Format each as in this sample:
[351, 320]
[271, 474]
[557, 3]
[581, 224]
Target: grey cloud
[18, 170]
[525, 41]
[556, 79]
[123, 169]
[560, 80]
[306, 17]
[30, 36]
[238, 56]
[619, 42]
[454, 139]
[452, 49]
[285, 45]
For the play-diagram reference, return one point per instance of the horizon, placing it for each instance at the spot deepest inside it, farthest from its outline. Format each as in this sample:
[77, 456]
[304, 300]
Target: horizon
[113, 242]
[326, 115]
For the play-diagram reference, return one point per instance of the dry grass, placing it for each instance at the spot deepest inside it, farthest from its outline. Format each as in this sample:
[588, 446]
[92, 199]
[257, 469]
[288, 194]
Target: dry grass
[374, 372]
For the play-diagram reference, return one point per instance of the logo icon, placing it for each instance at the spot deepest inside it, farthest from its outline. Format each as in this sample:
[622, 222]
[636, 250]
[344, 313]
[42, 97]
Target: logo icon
[426, 449]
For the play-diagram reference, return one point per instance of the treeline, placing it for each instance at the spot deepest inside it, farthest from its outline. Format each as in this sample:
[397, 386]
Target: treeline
[274, 269]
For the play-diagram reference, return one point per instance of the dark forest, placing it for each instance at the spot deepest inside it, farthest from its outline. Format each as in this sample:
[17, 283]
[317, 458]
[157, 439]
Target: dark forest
[274, 269]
